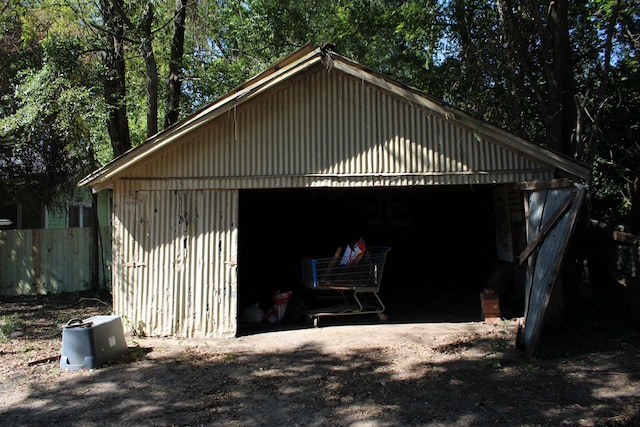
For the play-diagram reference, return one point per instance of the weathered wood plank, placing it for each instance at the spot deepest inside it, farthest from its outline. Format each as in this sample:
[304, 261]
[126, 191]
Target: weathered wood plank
[43, 261]
[544, 184]
[544, 231]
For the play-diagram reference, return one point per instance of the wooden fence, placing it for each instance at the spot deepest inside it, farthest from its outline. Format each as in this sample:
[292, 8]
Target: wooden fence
[48, 261]
[614, 263]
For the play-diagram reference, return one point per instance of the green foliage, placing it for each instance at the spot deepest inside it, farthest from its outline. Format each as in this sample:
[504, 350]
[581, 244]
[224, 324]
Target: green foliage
[234, 40]
[16, 53]
[501, 66]
[465, 52]
[53, 133]
[617, 161]
[10, 324]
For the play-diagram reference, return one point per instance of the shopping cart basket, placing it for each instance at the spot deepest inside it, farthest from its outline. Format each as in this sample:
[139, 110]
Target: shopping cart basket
[358, 283]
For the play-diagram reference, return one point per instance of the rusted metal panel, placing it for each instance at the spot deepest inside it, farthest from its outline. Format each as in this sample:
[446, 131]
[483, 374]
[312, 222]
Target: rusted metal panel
[44, 261]
[329, 129]
[175, 255]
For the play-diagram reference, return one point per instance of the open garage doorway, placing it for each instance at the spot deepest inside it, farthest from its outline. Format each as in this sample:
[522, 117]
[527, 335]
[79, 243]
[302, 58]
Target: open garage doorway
[442, 239]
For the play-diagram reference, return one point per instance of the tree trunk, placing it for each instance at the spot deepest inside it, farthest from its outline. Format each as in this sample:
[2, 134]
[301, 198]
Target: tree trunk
[172, 110]
[152, 70]
[561, 108]
[114, 82]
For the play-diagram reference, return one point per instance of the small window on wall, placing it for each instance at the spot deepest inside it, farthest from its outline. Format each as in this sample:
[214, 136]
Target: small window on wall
[79, 215]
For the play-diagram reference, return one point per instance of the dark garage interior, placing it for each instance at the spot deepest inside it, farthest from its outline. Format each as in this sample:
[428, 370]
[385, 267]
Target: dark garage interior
[442, 239]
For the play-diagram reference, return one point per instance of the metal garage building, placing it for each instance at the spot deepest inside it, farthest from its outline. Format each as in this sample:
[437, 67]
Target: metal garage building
[216, 211]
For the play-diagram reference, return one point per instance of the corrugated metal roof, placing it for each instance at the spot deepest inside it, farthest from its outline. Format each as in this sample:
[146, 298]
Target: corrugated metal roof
[280, 75]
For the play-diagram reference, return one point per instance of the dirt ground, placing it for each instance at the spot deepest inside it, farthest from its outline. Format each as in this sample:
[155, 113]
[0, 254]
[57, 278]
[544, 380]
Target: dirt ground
[361, 373]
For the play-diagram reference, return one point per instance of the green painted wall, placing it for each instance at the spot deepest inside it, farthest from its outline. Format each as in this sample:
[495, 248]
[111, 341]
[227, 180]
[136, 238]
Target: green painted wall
[57, 217]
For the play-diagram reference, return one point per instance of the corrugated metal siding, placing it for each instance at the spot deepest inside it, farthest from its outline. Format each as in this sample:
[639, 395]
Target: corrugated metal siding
[176, 253]
[329, 129]
[45, 261]
[176, 214]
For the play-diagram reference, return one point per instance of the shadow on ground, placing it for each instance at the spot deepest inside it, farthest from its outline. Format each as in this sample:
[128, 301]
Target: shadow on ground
[587, 375]
[307, 386]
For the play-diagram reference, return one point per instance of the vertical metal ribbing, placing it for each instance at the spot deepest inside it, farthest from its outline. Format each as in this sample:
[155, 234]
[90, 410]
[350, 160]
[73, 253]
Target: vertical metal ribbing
[396, 140]
[316, 130]
[445, 145]
[200, 284]
[338, 143]
[323, 123]
[486, 155]
[163, 287]
[415, 144]
[237, 141]
[466, 150]
[441, 147]
[292, 133]
[278, 137]
[307, 156]
[258, 142]
[348, 119]
[459, 155]
[155, 269]
[344, 123]
[410, 143]
[456, 148]
[253, 141]
[450, 146]
[355, 135]
[474, 147]
[369, 116]
[322, 126]
[330, 123]
[334, 128]
[429, 142]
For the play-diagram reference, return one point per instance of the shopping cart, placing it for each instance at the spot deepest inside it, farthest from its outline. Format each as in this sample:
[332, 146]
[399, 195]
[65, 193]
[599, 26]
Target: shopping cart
[358, 283]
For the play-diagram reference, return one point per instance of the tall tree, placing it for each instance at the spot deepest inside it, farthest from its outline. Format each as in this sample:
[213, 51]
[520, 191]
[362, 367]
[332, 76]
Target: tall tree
[113, 57]
[617, 164]
[174, 85]
[146, 45]
[543, 54]
[52, 132]
[566, 59]
[541, 70]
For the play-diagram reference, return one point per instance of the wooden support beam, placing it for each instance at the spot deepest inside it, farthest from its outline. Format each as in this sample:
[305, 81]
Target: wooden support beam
[544, 184]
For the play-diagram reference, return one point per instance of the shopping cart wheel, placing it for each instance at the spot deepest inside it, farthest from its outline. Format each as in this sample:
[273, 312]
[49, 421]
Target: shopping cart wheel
[383, 317]
[316, 322]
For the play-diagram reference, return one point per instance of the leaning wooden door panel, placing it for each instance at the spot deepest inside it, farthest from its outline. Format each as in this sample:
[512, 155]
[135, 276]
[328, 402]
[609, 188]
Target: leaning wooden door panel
[551, 222]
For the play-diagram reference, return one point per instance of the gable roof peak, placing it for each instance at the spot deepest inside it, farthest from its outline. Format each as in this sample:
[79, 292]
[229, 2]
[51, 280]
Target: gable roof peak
[294, 64]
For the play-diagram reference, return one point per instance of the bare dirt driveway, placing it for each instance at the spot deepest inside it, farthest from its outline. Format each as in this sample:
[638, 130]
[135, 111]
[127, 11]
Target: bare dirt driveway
[342, 374]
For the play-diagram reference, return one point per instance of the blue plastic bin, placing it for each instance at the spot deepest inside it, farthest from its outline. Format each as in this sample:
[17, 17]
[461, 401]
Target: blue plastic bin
[91, 342]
